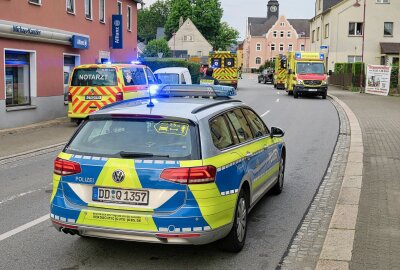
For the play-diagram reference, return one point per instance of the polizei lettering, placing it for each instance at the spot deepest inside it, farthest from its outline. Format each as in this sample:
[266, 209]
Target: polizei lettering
[26, 30]
[85, 77]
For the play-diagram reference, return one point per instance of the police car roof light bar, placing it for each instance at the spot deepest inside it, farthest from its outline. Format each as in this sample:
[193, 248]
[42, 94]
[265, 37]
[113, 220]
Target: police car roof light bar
[195, 90]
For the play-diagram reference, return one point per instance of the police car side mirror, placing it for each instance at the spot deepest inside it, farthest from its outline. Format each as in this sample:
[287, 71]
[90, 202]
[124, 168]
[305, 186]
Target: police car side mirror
[277, 132]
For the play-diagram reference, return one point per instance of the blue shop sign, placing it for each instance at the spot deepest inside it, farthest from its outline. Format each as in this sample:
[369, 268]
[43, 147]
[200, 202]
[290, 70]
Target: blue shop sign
[117, 41]
[80, 42]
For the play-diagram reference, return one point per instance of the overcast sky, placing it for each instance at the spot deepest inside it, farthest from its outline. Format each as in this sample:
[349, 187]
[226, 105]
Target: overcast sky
[237, 11]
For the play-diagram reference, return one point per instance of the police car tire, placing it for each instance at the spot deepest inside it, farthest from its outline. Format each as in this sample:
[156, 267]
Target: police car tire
[231, 242]
[295, 94]
[278, 187]
[324, 96]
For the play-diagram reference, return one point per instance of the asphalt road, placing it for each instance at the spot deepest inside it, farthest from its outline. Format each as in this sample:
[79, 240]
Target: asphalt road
[311, 126]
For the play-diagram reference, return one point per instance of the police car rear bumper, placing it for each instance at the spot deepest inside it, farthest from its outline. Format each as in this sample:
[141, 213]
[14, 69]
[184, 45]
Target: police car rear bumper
[177, 238]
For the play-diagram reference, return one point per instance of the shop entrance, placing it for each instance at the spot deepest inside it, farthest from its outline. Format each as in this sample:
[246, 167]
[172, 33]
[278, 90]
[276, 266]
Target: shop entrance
[17, 78]
[70, 61]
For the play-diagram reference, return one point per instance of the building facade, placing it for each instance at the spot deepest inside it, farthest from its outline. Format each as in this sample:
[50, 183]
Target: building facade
[357, 31]
[42, 40]
[273, 35]
[188, 38]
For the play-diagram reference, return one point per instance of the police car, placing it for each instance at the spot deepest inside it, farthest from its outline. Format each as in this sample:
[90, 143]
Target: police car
[183, 167]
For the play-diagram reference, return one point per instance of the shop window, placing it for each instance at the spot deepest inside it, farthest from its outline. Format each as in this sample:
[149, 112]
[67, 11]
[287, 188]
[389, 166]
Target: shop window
[17, 78]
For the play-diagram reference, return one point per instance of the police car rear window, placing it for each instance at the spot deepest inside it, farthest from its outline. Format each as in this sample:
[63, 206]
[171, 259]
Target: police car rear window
[136, 139]
[94, 77]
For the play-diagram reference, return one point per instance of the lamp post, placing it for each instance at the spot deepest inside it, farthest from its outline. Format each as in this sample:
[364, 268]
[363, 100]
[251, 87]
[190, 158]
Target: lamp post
[174, 34]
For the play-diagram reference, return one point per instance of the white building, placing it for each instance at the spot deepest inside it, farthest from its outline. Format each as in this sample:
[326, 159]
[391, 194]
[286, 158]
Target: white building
[339, 28]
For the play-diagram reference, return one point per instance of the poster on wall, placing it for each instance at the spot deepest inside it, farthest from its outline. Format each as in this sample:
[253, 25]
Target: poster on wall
[9, 86]
[378, 80]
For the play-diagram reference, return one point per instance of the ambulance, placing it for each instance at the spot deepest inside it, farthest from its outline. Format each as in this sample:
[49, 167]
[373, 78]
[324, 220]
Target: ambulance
[225, 67]
[280, 71]
[93, 86]
[306, 74]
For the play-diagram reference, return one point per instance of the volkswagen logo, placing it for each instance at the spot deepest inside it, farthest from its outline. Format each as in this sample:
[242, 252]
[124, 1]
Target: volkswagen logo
[118, 176]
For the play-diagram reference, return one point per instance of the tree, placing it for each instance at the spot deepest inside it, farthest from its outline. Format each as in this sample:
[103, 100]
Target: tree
[225, 37]
[207, 15]
[157, 46]
[178, 9]
[152, 17]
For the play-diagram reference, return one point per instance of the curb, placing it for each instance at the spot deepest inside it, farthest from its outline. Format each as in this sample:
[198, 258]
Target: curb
[337, 249]
[36, 125]
[32, 151]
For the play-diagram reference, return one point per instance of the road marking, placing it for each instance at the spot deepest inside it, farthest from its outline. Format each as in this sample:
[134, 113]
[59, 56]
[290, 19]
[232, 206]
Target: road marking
[279, 93]
[11, 198]
[277, 100]
[24, 227]
[264, 114]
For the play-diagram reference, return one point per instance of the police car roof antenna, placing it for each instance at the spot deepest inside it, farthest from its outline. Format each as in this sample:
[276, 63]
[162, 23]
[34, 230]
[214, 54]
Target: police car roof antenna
[150, 104]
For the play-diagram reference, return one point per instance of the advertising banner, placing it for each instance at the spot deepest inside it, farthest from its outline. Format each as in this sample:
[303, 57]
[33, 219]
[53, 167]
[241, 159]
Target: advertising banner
[378, 80]
[117, 32]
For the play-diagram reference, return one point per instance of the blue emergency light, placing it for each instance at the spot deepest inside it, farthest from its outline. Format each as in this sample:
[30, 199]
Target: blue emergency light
[194, 90]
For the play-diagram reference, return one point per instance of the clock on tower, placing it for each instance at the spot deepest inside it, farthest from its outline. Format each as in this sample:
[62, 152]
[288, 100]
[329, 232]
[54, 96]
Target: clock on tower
[273, 8]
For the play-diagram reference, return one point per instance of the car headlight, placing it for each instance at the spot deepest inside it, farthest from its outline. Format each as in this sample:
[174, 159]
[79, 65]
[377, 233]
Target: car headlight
[299, 81]
[324, 82]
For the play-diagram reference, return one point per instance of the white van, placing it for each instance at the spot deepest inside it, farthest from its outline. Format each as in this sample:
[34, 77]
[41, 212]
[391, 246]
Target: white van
[173, 75]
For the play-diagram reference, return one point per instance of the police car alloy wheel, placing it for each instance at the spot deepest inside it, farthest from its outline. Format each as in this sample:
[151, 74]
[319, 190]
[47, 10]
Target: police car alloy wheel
[277, 189]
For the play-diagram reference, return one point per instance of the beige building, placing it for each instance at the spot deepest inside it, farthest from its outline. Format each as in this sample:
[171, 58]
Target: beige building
[269, 36]
[188, 38]
[339, 28]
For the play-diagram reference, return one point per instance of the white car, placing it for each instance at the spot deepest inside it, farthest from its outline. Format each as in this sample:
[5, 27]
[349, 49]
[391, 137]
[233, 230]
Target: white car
[173, 75]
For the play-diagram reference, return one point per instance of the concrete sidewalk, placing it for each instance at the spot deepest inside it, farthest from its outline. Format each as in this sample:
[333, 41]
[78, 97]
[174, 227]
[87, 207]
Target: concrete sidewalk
[35, 136]
[377, 237]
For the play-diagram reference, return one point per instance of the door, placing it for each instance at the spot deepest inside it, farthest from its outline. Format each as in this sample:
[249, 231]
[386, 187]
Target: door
[69, 64]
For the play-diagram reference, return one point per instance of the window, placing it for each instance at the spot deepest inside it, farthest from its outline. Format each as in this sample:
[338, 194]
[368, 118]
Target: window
[281, 47]
[282, 24]
[257, 125]
[150, 77]
[102, 11]
[71, 6]
[240, 125]
[258, 61]
[220, 133]
[258, 47]
[290, 47]
[134, 76]
[353, 58]
[326, 30]
[318, 34]
[302, 47]
[383, 1]
[275, 34]
[388, 29]
[319, 4]
[282, 34]
[36, 2]
[289, 34]
[17, 71]
[229, 62]
[199, 53]
[88, 9]
[119, 8]
[355, 29]
[313, 36]
[129, 19]
[273, 47]
[187, 38]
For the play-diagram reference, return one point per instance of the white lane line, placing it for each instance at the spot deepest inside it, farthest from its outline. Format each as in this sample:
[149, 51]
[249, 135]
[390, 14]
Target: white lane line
[277, 100]
[24, 227]
[11, 198]
[264, 114]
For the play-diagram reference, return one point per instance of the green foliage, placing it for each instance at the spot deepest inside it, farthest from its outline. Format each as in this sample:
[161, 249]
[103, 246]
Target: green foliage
[178, 9]
[154, 64]
[394, 77]
[157, 46]
[152, 17]
[226, 37]
[339, 68]
[207, 15]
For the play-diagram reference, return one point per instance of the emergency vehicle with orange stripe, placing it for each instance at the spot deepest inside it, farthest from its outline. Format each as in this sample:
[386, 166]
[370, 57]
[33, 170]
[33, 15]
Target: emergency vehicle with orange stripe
[93, 86]
[225, 67]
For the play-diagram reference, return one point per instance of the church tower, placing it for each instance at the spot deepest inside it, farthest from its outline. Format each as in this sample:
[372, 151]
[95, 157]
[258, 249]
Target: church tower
[273, 9]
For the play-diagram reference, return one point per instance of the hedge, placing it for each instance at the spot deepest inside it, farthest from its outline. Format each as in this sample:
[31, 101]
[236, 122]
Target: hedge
[394, 77]
[157, 63]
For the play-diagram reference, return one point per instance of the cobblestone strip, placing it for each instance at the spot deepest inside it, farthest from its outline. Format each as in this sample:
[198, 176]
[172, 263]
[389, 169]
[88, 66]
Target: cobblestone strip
[307, 244]
[337, 250]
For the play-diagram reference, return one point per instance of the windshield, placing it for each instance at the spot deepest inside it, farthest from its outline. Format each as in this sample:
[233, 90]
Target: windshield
[168, 78]
[310, 68]
[135, 138]
[94, 77]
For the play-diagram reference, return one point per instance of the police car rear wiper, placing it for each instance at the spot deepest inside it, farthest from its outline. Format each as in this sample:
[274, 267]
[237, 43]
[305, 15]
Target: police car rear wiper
[139, 155]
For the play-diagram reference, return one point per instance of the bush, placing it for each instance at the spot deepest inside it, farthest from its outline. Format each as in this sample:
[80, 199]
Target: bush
[157, 46]
[157, 63]
[394, 77]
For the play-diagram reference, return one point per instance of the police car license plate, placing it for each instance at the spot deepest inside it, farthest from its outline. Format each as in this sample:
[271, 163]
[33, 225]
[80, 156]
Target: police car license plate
[312, 90]
[122, 196]
[92, 97]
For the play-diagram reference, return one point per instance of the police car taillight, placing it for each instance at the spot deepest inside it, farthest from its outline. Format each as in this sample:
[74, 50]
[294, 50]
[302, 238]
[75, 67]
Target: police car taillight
[194, 175]
[119, 96]
[65, 167]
